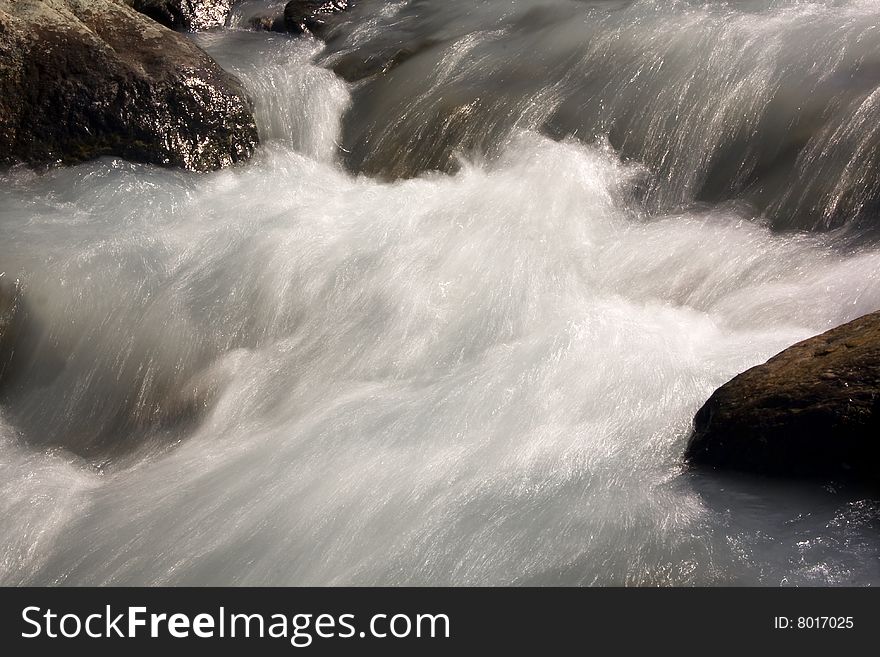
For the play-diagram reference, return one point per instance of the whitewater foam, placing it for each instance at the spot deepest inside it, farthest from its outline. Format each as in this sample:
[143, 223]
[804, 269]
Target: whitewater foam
[320, 378]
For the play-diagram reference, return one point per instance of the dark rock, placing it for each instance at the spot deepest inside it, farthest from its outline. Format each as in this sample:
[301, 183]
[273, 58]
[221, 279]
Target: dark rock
[189, 15]
[85, 78]
[315, 17]
[813, 409]
[312, 16]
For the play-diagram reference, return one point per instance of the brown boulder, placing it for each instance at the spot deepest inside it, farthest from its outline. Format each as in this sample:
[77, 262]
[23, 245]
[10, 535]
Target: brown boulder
[812, 410]
[84, 78]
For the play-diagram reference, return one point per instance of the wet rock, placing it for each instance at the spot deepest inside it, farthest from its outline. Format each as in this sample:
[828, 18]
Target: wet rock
[189, 15]
[312, 16]
[315, 17]
[85, 78]
[812, 410]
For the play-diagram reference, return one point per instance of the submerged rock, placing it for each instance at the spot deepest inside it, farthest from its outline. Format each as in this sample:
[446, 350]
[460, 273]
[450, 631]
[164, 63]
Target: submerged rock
[85, 78]
[189, 15]
[6, 303]
[267, 22]
[26, 349]
[356, 66]
[8, 295]
[59, 390]
[813, 409]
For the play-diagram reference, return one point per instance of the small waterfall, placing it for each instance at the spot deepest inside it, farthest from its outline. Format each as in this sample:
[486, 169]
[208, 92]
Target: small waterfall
[721, 101]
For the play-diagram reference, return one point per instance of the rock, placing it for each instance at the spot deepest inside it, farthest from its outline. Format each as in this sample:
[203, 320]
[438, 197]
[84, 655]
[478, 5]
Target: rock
[812, 410]
[192, 15]
[312, 16]
[84, 78]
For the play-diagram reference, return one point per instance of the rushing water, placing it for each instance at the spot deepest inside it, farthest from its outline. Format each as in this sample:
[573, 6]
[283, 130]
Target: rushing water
[291, 372]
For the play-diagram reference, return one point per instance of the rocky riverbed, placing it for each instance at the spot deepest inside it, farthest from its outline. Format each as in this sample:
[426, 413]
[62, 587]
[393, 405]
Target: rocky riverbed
[413, 292]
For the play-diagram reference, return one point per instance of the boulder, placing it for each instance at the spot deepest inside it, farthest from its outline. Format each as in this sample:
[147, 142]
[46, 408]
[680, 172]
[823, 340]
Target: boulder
[191, 15]
[812, 410]
[84, 78]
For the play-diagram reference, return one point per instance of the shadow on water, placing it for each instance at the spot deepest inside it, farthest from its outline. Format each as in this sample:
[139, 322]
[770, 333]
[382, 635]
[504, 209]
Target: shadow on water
[755, 531]
[824, 531]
